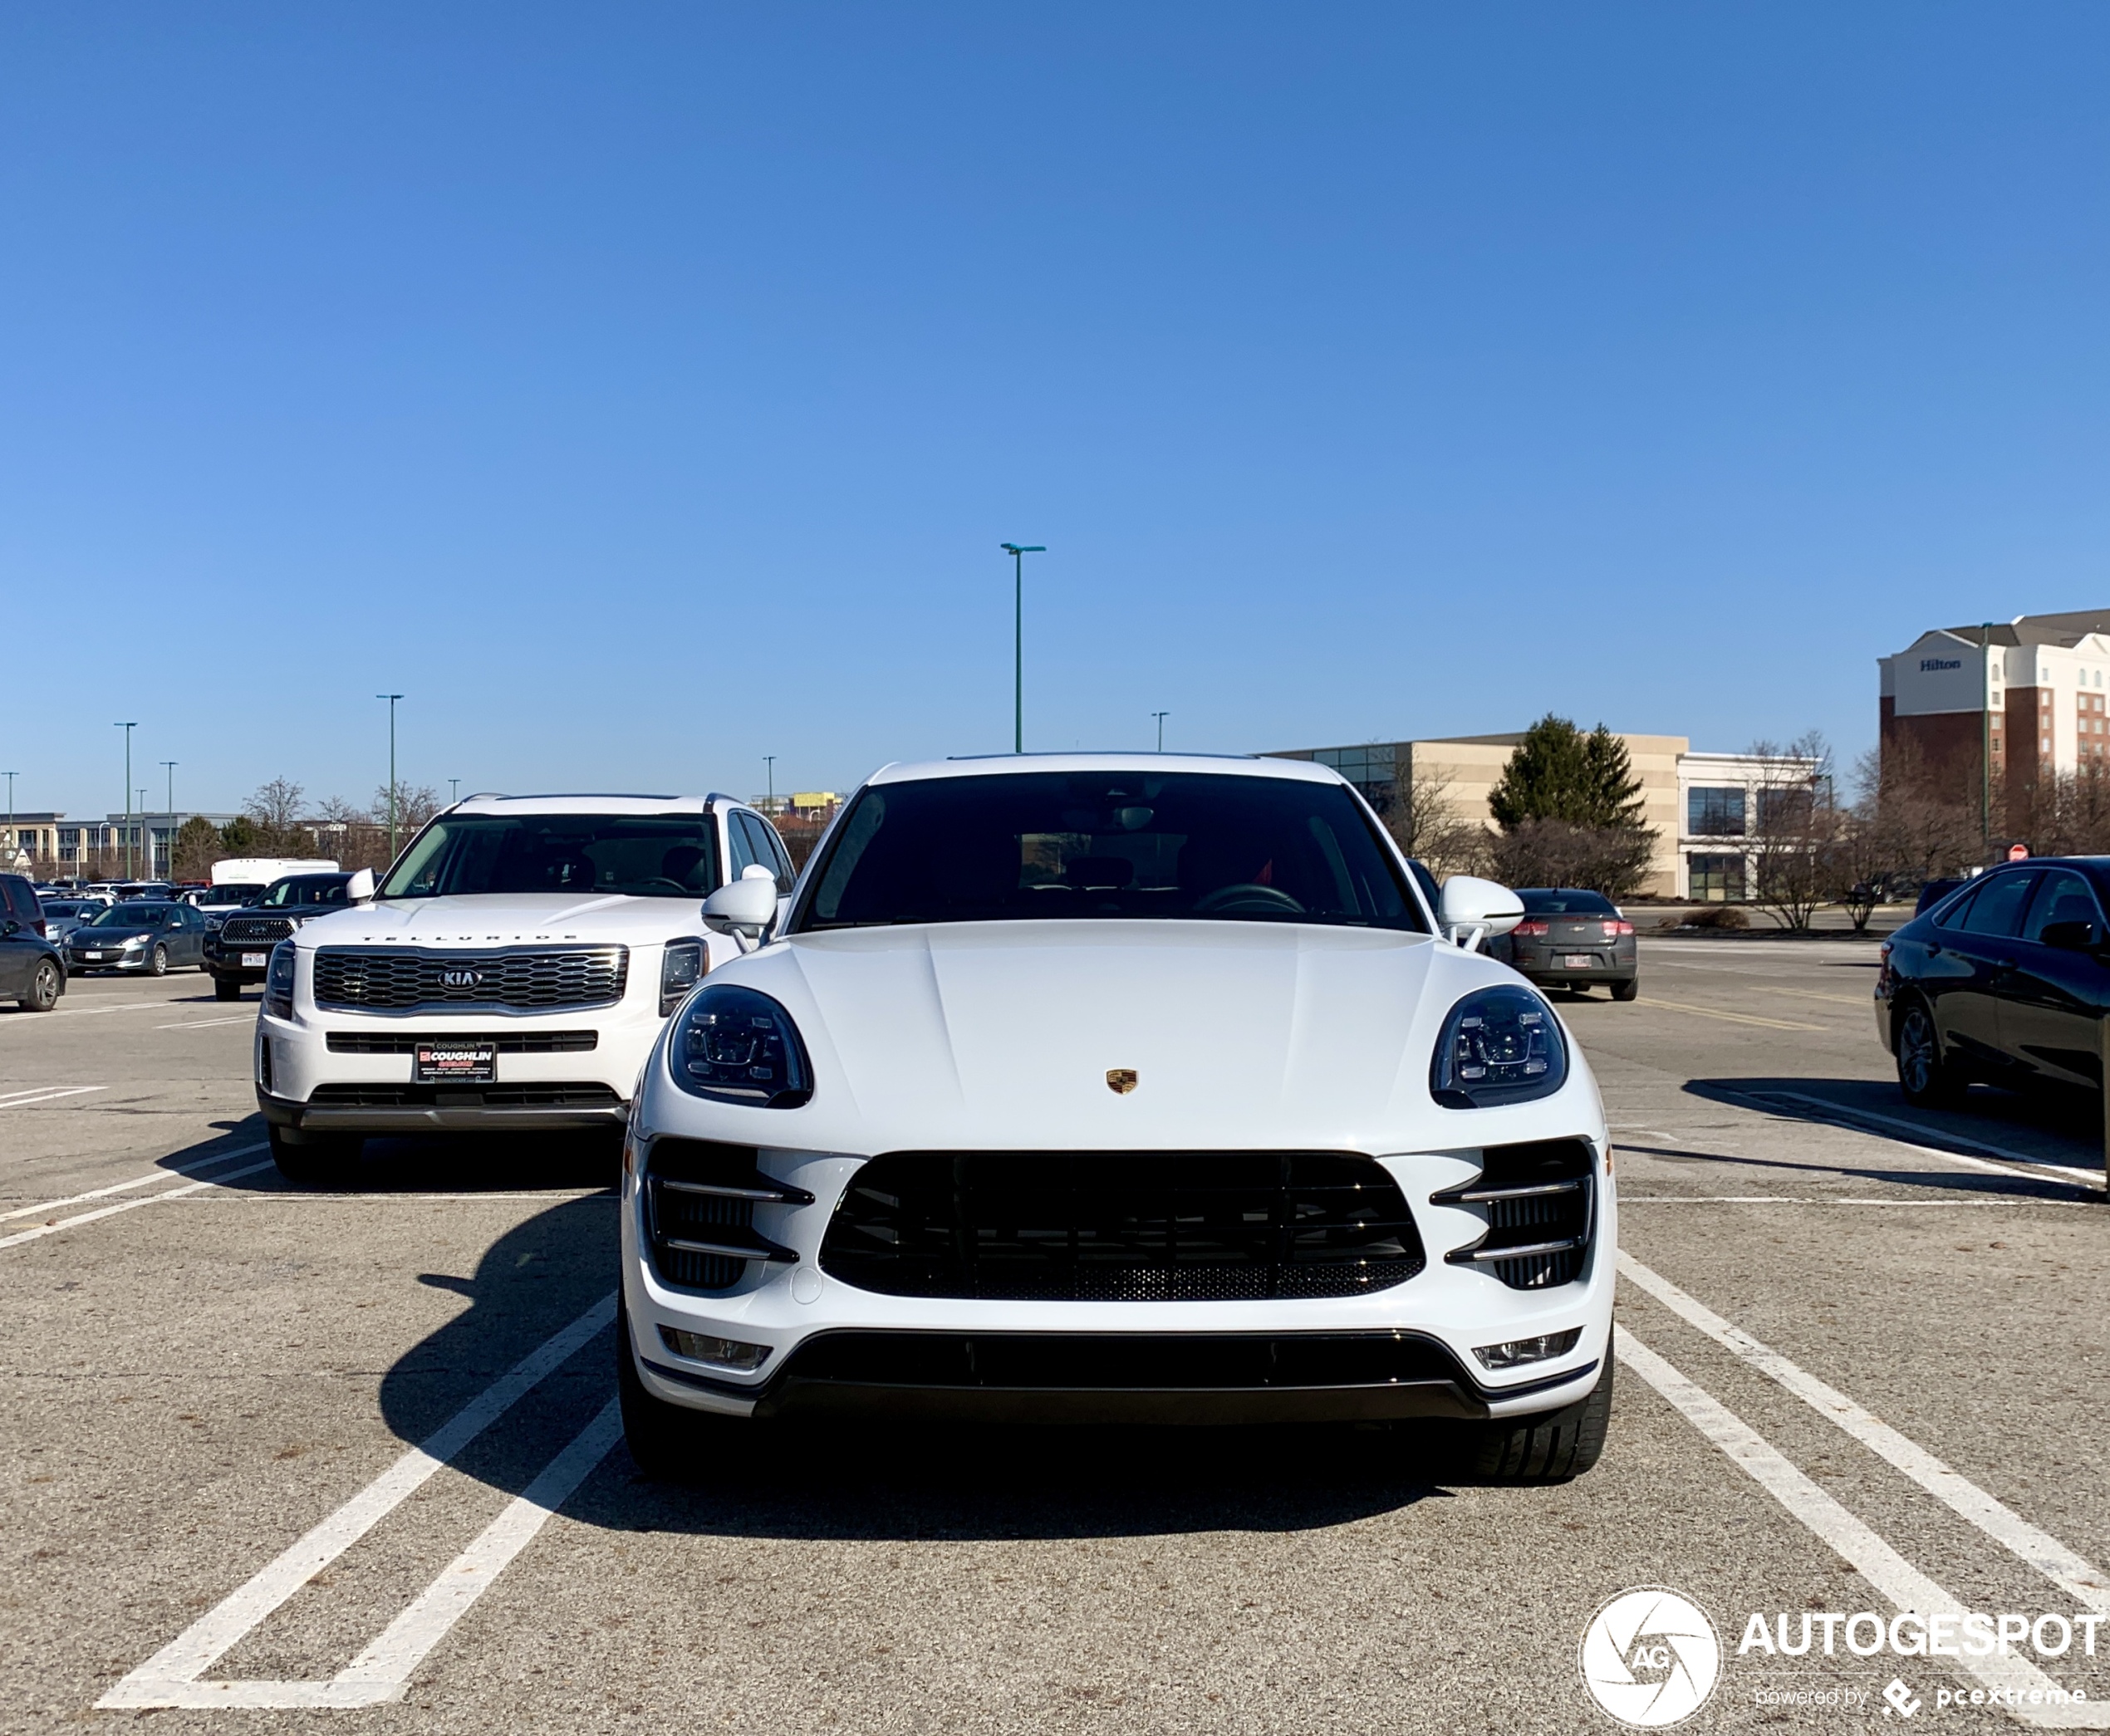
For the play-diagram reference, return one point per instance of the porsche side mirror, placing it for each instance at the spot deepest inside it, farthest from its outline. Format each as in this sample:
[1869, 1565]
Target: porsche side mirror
[744, 909]
[1472, 909]
[359, 889]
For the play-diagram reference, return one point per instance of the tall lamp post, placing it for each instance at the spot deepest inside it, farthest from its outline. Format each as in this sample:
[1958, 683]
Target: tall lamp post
[12, 844]
[391, 699]
[769, 763]
[453, 791]
[169, 767]
[1161, 716]
[1985, 738]
[1018, 551]
[128, 728]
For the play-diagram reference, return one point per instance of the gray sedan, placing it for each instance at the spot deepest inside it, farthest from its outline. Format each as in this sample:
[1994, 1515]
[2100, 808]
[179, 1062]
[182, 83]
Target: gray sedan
[141, 936]
[1569, 939]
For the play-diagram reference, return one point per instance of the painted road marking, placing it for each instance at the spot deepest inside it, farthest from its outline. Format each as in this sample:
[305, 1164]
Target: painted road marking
[1860, 1002]
[1846, 1117]
[121, 1007]
[1733, 1018]
[46, 1094]
[171, 1676]
[2080, 1579]
[1850, 1539]
[137, 1181]
[1968, 1205]
[127, 1205]
[206, 1024]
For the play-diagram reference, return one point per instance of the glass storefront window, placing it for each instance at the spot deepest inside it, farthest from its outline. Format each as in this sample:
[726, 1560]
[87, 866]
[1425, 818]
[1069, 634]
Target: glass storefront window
[1715, 813]
[1716, 880]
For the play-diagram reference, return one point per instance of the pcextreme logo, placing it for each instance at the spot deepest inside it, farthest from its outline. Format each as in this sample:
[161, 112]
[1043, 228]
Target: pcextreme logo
[1650, 1657]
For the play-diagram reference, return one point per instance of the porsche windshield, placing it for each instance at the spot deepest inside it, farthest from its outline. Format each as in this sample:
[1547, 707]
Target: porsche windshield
[644, 855]
[1029, 845]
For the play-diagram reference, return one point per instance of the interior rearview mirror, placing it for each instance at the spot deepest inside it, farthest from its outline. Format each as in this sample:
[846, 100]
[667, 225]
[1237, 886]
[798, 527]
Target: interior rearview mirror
[1472, 909]
[746, 908]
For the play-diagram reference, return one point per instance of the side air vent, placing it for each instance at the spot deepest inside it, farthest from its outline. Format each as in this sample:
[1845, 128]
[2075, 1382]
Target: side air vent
[699, 1201]
[1537, 1201]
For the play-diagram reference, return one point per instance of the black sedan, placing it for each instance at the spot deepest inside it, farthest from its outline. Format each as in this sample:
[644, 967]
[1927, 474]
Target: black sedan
[1569, 939]
[142, 935]
[2005, 981]
[31, 972]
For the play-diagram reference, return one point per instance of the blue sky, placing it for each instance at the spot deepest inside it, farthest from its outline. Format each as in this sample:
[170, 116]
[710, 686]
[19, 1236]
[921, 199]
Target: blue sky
[642, 390]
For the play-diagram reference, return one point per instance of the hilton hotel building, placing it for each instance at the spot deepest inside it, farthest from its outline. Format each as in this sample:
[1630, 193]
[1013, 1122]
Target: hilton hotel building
[2034, 685]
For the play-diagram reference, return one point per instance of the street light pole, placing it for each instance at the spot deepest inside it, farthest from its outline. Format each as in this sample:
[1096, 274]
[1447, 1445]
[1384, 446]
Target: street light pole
[128, 728]
[1018, 551]
[391, 699]
[769, 761]
[1985, 738]
[1161, 716]
[11, 845]
[169, 766]
[453, 791]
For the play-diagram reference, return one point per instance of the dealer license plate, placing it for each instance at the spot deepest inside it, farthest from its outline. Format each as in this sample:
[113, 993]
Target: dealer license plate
[459, 1063]
[255, 961]
[1578, 961]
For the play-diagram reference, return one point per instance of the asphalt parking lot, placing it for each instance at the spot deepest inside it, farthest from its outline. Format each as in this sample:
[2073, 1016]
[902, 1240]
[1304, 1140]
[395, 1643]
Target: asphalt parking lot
[282, 1459]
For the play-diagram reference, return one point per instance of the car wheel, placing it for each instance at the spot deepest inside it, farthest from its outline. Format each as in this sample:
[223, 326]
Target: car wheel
[1549, 1448]
[157, 964]
[44, 987]
[1627, 990]
[315, 1159]
[667, 1443]
[225, 989]
[1927, 1081]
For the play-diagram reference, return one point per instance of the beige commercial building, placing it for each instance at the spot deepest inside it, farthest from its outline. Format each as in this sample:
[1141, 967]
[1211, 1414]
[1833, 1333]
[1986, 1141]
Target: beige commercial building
[1698, 804]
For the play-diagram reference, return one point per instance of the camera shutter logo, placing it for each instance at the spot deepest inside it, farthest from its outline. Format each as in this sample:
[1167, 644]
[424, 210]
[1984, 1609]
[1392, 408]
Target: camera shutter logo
[1651, 1658]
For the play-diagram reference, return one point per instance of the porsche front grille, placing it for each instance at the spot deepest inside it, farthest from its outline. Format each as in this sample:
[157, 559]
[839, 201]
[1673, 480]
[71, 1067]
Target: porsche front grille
[699, 1201]
[1121, 1226]
[525, 978]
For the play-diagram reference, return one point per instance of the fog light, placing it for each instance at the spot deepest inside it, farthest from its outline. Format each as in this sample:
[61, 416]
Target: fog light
[1527, 1349]
[730, 1352]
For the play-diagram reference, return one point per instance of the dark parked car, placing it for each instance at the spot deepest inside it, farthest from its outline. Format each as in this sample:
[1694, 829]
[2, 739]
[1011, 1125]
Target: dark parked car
[31, 972]
[18, 899]
[2006, 981]
[238, 950]
[1569, 939]
[141, 935]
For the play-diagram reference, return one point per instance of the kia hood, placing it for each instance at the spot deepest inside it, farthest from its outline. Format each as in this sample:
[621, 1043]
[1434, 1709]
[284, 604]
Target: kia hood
[507, 920]
[1003, 1034]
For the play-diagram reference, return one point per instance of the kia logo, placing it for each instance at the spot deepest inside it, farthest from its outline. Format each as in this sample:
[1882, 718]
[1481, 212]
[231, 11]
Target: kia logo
[460, 979]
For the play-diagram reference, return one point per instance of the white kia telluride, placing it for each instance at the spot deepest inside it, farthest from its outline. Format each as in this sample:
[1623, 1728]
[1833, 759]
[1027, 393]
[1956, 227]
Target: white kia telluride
[1138, 1087]
[511, 973]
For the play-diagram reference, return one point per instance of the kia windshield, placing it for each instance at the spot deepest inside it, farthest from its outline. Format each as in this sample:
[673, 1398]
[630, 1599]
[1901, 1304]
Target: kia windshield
[639, 856]
[1051, 845]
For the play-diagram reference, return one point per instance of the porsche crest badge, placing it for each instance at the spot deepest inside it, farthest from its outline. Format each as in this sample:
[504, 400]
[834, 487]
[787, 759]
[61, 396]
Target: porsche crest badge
[1120, 1080]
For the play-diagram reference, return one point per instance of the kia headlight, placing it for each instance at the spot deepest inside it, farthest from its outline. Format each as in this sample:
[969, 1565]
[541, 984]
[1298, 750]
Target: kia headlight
[1498, 1046]
[737, 1046]
[278, 981]
[681, 968]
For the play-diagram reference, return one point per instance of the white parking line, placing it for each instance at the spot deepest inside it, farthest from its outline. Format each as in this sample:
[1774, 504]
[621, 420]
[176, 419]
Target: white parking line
[1966, 1205]
[1850, 1539]
[170, 1677]
[1848, 1116]
[2078, 1578]
[206, 1024]
[121, 1007]
[151, 1176]
[46, 1094]
[127, 1205]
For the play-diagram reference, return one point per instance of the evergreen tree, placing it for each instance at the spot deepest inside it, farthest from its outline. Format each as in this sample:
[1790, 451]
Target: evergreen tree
[1557, 773]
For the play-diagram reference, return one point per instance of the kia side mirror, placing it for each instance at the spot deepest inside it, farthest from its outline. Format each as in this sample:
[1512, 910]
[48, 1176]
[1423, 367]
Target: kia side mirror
[359, 889]
[2072, 937]
[1472, 909]
[744, 909]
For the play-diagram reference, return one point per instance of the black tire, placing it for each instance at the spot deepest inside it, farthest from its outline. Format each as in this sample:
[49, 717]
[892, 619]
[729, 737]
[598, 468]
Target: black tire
[226, 988]
[1549, 1448]
[157, 962]
[1627, 990]
[667, 1443]
[46, 985]
[315, 1159]
[1926, 1080]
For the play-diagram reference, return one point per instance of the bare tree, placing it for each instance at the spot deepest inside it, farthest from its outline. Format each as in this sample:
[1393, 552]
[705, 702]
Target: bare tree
[275, 805]
[1425, 822]
[1794, 837]
[1608, 859]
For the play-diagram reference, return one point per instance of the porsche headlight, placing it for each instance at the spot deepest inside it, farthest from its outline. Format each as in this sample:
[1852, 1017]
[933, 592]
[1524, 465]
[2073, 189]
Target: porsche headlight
[740, 1046]
[1498, 1046]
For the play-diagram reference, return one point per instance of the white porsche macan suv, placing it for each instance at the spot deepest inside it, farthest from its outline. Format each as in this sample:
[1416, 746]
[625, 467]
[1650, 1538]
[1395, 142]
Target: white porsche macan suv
[1106, 1088]
[510, 973]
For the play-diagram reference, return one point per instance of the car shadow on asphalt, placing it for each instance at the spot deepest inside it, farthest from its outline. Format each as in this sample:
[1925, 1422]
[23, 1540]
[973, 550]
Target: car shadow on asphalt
[2036, 1132]
[862, 1481]
[438, 1164]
